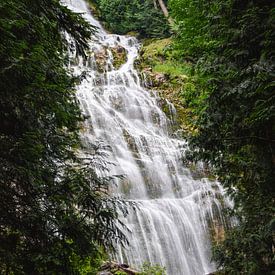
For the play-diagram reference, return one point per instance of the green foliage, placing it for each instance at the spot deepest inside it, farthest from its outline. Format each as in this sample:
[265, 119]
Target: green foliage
[54, 208]
[155, 48]
[171, 68]
[152, 269]
[231, 97]
[159, 55]
[191, 26]
[120, 273]
[87, 265]
[123, 16]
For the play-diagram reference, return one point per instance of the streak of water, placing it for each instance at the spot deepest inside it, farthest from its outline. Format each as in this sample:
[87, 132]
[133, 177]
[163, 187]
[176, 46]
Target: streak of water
[171, 225]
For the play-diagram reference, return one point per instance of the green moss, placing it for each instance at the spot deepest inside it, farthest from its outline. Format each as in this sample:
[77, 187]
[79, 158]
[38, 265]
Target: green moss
[152, 269]
[153, 49]
[159, 57]
[133, 33]
[173, 69]
[119, 56]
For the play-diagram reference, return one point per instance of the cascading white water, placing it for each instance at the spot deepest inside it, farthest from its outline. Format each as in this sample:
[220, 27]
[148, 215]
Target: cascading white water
[171, 225]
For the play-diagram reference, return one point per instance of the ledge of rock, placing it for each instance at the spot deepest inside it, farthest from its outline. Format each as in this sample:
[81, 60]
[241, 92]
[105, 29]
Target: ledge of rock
[155, 79]
[101, 56]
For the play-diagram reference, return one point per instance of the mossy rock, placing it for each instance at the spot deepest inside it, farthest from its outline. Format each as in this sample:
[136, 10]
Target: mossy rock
[155, 49]
[101, 59]
[119, 56]
[133, 33]
[168, 76]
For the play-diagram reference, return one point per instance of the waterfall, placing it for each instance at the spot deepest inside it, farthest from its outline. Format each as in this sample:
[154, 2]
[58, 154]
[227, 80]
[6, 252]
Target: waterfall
[170, 226]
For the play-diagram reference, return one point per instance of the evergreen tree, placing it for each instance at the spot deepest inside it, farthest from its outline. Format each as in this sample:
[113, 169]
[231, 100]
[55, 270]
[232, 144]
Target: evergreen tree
[231, 45]
[122, 16]
[55, 210]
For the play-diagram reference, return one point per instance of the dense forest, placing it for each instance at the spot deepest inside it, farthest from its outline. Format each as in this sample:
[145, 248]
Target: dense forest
[231, 45]
[57, 216]
[133, 16]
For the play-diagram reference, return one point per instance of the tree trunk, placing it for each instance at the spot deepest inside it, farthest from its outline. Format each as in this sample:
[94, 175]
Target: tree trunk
[165, 11]
[163, 8]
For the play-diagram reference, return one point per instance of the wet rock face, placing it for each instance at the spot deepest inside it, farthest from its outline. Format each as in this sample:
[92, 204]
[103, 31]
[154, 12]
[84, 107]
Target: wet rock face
[119, 56]
[217, 231]
[155, 79]
[101, 59]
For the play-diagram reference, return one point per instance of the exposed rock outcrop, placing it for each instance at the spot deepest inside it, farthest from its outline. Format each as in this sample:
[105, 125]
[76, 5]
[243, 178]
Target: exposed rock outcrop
[118, 53]
[119, 56]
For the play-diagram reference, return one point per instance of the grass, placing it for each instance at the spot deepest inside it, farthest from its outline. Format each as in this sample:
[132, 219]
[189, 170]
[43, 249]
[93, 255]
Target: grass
[173, 69]
[160, 56]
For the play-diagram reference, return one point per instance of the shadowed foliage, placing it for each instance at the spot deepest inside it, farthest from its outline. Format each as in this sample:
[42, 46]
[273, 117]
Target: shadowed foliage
[55, 210]
[231, 46]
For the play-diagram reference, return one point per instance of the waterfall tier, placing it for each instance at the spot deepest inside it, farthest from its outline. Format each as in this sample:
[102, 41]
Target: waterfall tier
[171, 224]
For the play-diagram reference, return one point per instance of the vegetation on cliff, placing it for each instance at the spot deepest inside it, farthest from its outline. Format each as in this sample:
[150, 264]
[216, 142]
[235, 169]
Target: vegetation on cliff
[167, 75]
